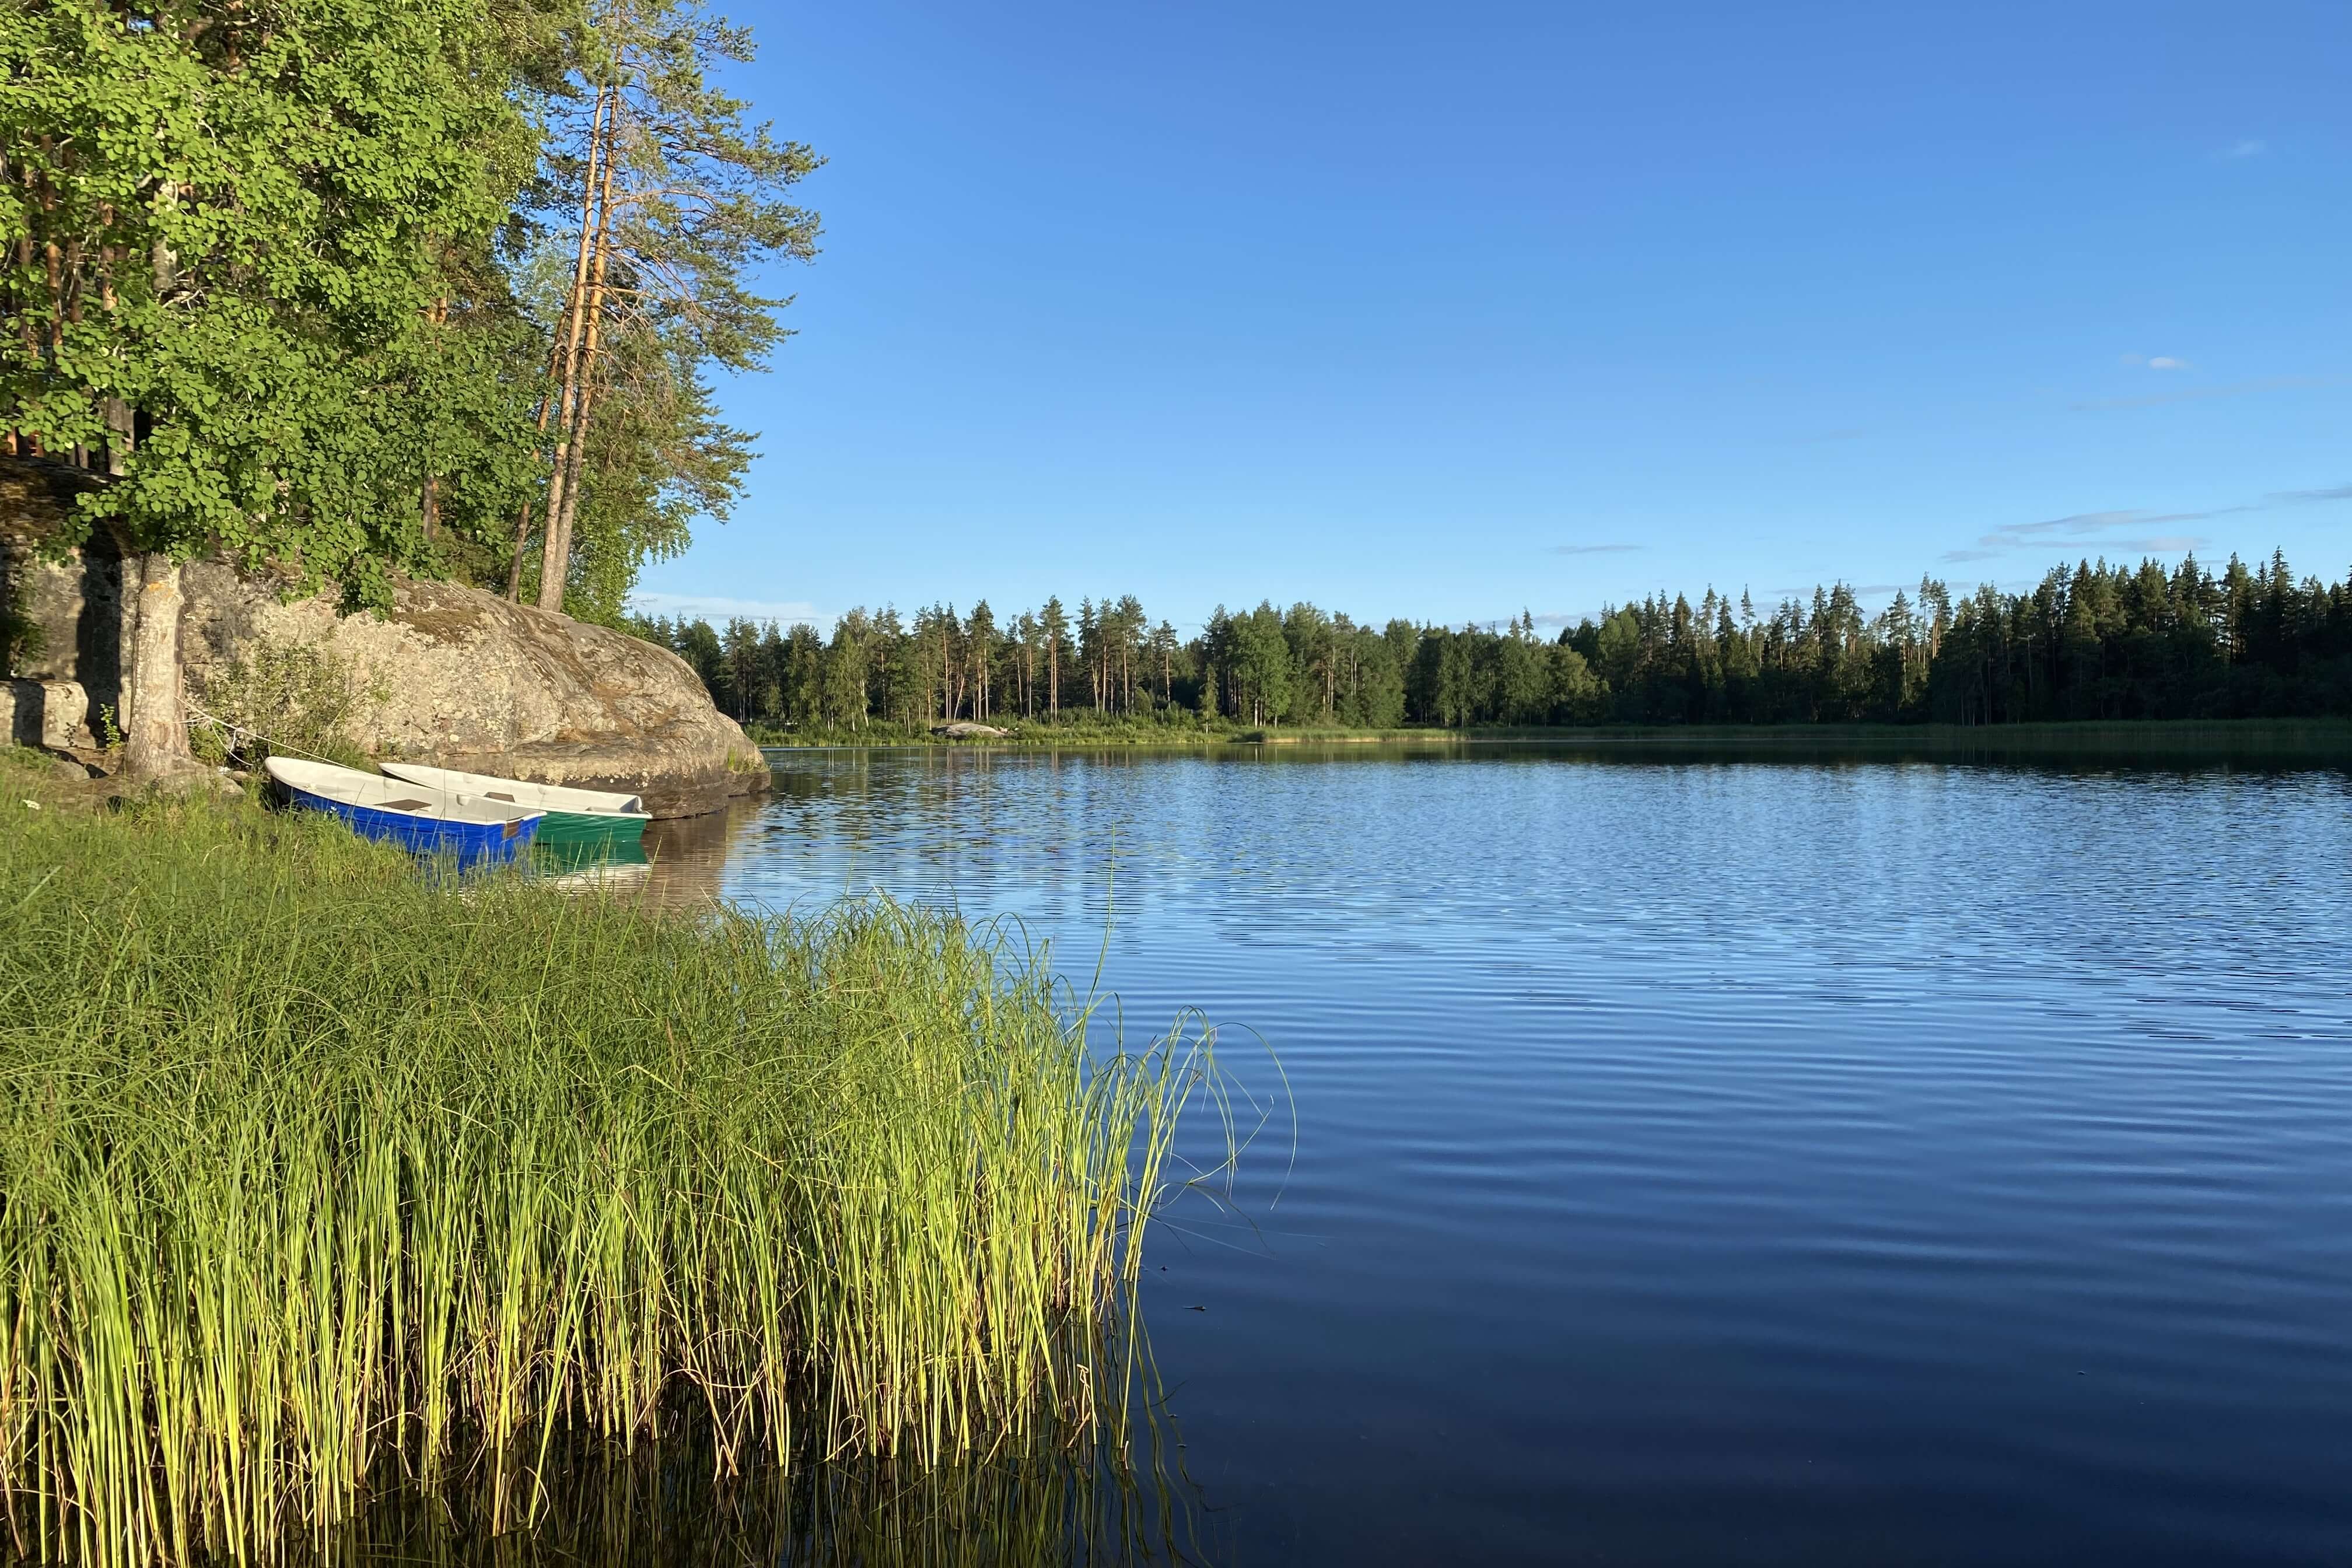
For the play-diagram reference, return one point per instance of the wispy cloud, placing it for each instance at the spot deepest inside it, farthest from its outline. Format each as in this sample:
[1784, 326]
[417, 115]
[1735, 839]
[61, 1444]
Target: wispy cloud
[2124, 531]
[2083, 524]
[2076, 523]
[2301, 497]
[2248, 147]
[2092, 529]
[2228, 389]
[1596, 549]
[2153, 362]
[718, 607]
[2161, 544]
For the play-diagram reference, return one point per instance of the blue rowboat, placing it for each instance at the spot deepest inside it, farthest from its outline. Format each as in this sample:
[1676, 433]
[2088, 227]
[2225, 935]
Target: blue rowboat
[416, 818]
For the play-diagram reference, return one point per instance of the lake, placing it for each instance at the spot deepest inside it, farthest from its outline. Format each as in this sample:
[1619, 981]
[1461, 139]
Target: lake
[1700, 1160]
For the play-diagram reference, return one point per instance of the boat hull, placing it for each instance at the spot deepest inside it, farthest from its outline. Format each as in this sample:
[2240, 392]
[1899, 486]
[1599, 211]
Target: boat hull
[585, 829]
[469, 843]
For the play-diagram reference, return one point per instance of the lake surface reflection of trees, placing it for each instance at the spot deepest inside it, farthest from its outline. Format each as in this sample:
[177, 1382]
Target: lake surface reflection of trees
[685, 855]
[672, 1507]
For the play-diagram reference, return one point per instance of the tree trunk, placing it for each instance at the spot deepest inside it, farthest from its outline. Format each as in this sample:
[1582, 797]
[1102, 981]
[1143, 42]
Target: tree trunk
[559, 536]
[552, 574]
[522, 513]
[121, 435]
[522, 537]
[156, 723]
[429, 507]
[595, 307]
[557, 566]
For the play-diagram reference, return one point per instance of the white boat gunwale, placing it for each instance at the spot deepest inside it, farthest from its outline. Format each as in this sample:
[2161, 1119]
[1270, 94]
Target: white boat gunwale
[403, 797]
[523, 791]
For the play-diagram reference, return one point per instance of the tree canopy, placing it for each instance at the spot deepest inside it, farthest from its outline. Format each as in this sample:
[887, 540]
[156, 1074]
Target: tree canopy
[2090, 641]
[224, 228]
[289, 276]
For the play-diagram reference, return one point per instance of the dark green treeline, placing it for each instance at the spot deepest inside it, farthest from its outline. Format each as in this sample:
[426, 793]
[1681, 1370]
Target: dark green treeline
[2093, 641]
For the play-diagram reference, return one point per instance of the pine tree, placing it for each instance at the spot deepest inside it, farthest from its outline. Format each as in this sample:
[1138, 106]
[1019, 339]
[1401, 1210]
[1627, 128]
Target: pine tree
[677, 201]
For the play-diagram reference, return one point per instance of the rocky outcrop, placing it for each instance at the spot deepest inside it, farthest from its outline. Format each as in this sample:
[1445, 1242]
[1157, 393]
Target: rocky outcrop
[461, 678]
[51, 714]
[453, 675]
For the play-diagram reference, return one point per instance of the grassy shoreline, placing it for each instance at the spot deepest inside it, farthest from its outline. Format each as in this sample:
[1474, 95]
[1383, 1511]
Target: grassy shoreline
[2313, 738]
[315, 1172]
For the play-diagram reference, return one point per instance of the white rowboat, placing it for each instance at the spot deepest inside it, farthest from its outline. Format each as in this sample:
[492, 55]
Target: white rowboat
[416, 816]
[522, 793]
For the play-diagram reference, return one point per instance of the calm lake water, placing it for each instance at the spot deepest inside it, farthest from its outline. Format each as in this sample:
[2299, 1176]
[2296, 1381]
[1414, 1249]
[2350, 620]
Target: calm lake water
[1696, 1161]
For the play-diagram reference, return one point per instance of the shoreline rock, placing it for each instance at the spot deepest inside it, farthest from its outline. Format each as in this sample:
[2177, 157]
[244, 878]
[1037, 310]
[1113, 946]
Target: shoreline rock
[453, 675]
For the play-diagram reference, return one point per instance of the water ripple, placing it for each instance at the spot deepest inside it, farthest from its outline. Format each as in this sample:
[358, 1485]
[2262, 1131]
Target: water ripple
[1723, 1163]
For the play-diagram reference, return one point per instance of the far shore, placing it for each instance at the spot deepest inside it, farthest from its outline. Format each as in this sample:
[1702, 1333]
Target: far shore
[2317, 740]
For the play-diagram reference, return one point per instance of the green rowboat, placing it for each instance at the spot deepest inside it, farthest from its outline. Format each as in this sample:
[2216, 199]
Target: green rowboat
[574, 816]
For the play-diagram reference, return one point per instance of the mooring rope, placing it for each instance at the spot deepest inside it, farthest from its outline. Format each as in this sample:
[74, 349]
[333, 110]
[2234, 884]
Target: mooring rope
[275, 747]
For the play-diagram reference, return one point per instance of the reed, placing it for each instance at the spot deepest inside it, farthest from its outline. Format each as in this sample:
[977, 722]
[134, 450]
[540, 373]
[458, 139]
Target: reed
[667, 1505]
[319, 1176]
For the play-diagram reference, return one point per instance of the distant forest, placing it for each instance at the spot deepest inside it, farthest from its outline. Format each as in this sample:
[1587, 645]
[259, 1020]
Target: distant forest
[2093, 641]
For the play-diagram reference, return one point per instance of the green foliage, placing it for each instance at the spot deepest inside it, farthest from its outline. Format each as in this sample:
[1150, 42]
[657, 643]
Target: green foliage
[296, 275]
[2096, 642]
[273, 697]
[315, 1172]
[253, 206]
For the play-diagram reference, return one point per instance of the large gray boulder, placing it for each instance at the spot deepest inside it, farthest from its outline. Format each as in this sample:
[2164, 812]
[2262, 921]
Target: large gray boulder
[461, 678]
[453, 675]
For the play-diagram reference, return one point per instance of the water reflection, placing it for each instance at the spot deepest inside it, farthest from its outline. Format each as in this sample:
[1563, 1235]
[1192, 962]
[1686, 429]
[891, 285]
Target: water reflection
[672, 1507]
[679, 863]
[1814, 1156]
[1113, 1491]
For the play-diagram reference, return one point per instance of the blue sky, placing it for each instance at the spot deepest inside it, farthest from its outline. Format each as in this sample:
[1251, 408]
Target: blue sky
[1446, 311]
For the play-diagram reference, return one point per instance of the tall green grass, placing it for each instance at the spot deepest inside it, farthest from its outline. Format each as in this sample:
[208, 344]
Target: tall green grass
[319, 1176]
